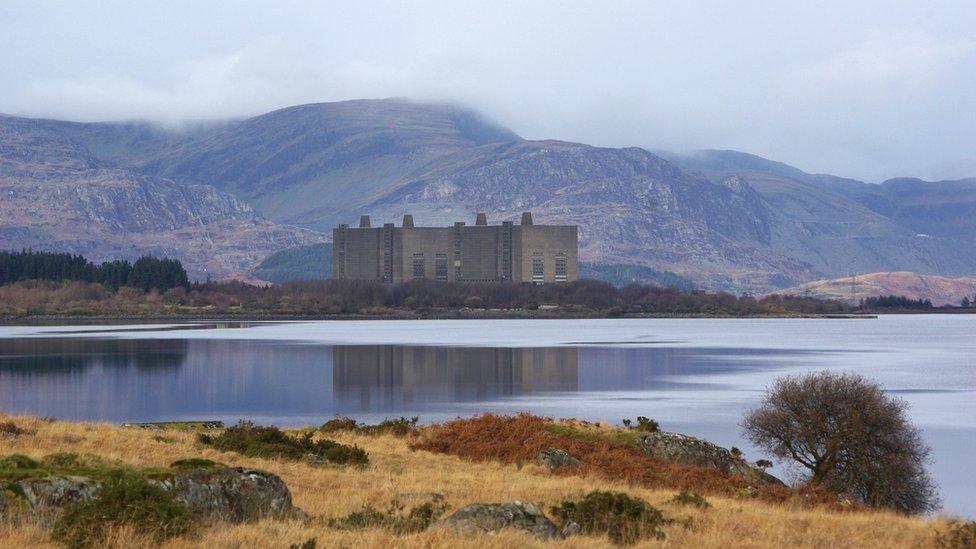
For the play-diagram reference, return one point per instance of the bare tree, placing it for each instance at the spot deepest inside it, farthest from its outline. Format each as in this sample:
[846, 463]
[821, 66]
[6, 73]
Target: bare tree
[851, 437]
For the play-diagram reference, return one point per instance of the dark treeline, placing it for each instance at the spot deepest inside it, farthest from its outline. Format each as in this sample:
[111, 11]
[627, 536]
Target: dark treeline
[147, 273]
[895, 302]
[584, 296]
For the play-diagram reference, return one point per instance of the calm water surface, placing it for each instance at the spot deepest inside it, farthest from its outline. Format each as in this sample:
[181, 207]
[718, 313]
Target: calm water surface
[694, 376]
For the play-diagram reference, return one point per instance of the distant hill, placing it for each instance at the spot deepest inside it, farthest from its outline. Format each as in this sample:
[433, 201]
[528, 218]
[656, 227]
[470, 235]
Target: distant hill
[57, 197]
[623, 274]
[223, 196]
[313, 262]
[939, 290]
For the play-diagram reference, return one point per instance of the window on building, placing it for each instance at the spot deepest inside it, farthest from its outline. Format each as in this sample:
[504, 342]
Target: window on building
[538, 267]
[418, 265]
[440, 267]
[561, 273]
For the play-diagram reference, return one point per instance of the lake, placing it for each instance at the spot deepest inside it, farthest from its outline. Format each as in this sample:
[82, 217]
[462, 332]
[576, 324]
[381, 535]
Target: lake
[695, 376]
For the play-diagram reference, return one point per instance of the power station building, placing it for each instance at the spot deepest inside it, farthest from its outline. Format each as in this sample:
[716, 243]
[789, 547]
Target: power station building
[538, 254]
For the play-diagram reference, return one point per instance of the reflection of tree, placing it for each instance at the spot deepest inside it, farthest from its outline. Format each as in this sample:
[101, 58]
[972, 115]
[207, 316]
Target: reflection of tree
[382, 376]
[44, 356]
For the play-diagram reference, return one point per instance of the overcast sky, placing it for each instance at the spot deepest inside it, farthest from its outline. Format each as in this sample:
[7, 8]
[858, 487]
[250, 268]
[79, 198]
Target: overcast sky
[863, 89]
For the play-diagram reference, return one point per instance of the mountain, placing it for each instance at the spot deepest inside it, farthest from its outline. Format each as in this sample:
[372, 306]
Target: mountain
[724, 219]
[838, 226]
[312, 262]
[940, 290]
[314, 164]
[58, 196]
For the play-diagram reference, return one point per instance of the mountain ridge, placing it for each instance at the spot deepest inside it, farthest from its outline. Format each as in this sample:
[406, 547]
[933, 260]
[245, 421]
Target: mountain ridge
[726, 219]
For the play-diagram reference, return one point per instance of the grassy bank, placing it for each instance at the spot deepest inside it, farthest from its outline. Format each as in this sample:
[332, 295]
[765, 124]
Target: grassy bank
[408, 468]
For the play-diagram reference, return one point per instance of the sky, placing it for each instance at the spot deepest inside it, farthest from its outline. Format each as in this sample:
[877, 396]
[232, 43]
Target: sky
[866, 89]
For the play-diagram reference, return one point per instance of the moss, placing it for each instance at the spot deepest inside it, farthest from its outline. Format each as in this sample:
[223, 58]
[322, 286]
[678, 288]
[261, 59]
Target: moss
[125, 499]
[395, 518]
[686, 497]
[194, 463]
[18, 462]
[624, 519]
[270, 442]
[622, 437]
[570, 431]
[399, 427]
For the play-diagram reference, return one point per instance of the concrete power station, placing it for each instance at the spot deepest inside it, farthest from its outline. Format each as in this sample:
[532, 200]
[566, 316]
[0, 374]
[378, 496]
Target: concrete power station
[537, 254]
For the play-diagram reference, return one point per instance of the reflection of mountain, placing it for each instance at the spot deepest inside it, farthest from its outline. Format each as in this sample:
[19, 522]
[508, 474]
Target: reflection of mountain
[38, 357]
[384, 377]
[662, 368]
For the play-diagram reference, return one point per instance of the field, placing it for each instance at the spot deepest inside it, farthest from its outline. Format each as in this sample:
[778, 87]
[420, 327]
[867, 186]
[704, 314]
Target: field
[398, 472]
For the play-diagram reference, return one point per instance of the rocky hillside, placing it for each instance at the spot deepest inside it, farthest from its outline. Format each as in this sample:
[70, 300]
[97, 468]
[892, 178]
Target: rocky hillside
[58, 196]
[724, 219]
[940, 290]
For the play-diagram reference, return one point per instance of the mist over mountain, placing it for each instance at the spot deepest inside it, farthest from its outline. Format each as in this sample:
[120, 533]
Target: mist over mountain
[224, 195]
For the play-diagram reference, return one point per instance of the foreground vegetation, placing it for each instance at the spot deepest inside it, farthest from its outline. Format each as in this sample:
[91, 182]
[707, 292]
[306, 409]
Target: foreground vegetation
[407, 486]
[409, 300]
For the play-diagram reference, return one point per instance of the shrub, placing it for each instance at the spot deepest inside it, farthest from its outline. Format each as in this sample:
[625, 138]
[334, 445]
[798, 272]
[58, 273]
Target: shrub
[764, 463]
[959, 535]
[646, 424]
[12, 429]
[685, 497]
[18, 461]
[193, 463]
[270, 442]
[624, 519]
[310, 543]
[852, 438]
[397, 427]
[124, 500]
[417, 519]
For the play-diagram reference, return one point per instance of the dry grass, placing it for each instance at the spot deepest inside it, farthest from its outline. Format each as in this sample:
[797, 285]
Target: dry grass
[397, 472]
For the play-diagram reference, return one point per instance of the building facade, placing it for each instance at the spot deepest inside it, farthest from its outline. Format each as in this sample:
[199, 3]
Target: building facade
[538, 254]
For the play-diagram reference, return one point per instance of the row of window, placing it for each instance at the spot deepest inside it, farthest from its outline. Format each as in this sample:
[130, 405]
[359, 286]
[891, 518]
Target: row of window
[538, 266]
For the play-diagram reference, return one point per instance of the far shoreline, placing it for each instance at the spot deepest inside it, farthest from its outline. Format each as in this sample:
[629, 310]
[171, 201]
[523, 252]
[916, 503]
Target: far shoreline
[41, 320]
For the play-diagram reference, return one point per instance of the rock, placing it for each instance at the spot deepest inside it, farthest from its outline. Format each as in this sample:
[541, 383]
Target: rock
[571, 529]
[686, 450]
[235, 494]
[554, 458]
[492, 517]
[47, 496]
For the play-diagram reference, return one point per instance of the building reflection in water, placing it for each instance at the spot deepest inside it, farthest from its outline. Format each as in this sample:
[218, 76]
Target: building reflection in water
[389, 377]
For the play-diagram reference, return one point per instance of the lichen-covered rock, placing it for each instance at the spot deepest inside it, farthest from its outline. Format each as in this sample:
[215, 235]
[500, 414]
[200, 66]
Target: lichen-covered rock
[492, 517]
[47, 496]
[554, 458]
[686, 450]
[234, 494]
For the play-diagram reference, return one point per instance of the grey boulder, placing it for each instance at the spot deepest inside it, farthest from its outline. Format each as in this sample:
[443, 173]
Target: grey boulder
[488, 518]
[686, 450]
[233, 494]
[554, 458]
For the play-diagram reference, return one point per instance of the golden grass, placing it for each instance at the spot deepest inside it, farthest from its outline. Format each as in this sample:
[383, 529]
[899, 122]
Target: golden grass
[397, 472]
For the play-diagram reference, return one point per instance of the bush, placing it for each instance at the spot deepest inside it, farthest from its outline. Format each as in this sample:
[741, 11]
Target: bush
[624, 519]
[764, 463]
[417, 519]
[643, 424]
[850, 436]
[11, 428]
[397, 427]
[685, 497]
[270, 442]
[959, 535]
[124, 500]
